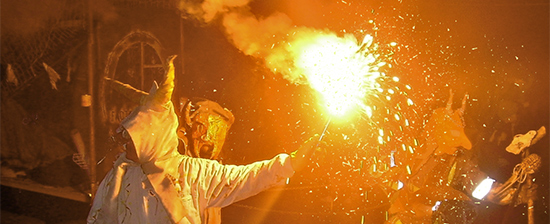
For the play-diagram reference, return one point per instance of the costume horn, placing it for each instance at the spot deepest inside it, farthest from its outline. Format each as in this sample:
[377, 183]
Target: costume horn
[135, 95]
[463, 107]
[164, 93]
[449, 107]
[187, 115]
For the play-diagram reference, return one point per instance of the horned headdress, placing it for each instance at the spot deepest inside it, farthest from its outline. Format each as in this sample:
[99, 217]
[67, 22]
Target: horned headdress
[446, 126]
[152, 125]
[215, 119]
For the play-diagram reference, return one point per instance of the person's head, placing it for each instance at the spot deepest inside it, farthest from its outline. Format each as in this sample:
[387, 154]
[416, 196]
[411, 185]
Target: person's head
[446, 127]
[204, 125]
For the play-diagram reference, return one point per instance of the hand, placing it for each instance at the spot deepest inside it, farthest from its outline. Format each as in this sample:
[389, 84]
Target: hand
[302, 157]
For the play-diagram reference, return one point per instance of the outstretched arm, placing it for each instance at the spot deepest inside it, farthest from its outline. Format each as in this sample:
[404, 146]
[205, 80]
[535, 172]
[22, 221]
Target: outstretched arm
[215, 185]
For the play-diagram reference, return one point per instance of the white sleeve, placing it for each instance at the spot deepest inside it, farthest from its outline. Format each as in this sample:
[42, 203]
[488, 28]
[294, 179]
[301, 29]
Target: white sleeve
[217, 185]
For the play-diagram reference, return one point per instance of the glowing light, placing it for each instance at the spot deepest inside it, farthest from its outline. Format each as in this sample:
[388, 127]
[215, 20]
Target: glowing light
[436, 206]
[483, 188]
[368, 111]
[342, 71]
[409, 102]
[411, 149]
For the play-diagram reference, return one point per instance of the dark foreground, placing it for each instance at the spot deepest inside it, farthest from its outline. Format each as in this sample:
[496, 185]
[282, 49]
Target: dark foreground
[24, 207]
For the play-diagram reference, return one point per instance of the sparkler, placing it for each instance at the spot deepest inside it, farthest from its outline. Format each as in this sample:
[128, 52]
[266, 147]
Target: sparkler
[348, 77]
[323, 133]
[342, 71]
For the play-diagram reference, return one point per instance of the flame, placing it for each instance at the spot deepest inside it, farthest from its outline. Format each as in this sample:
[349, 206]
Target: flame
[340, 69]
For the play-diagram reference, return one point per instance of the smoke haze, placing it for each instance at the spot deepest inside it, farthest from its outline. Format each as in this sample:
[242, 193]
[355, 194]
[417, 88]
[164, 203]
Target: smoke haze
[274, 39]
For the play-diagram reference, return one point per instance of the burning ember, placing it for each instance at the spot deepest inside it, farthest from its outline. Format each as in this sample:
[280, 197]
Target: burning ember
[342, 70]
[350, 77]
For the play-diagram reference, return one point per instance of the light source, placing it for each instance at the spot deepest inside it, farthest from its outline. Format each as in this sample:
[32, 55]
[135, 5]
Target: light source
[483, 188]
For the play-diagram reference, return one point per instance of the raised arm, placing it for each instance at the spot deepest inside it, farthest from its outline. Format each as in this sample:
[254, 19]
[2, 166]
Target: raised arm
[212, 184]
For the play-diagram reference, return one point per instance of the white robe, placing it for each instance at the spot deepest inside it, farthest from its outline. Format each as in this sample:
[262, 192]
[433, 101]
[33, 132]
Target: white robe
[167, 187]
[127, 196]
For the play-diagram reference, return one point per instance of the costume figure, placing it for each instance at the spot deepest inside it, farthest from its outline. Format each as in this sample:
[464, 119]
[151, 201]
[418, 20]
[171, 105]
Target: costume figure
[444, 175]
[437, 171]
[153, 183]
[204, 125]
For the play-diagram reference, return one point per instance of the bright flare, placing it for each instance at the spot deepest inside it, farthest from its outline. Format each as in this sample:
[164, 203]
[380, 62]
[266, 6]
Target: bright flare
[342, 71]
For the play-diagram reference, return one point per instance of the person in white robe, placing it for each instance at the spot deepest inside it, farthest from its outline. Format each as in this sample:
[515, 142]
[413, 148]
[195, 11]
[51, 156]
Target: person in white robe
[204, 125]
[153, 183]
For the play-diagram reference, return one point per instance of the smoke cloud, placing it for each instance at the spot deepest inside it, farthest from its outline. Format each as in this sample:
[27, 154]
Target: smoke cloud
[274, 39]
[207, 10]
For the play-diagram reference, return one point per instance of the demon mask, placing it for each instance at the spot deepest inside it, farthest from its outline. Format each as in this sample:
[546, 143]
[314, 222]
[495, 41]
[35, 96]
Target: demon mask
[204, 125]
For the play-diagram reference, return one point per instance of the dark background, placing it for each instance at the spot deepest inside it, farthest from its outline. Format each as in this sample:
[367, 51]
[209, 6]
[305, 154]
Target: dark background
[496, 51]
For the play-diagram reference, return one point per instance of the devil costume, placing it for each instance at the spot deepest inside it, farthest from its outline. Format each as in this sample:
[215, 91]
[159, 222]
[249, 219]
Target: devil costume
[165, 186]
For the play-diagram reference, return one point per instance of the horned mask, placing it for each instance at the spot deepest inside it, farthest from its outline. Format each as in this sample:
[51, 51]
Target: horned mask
[204, 126]
[446, 126]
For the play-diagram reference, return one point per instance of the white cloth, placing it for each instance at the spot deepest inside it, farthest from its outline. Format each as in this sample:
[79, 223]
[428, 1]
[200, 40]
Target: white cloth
[126, 195]
[167, 187]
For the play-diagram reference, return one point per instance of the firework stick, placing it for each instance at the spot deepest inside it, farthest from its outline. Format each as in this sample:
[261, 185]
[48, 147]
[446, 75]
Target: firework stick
[323, 133]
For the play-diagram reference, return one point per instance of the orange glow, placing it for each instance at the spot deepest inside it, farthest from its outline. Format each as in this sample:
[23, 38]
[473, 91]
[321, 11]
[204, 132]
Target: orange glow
[340, 71]
[343, 70]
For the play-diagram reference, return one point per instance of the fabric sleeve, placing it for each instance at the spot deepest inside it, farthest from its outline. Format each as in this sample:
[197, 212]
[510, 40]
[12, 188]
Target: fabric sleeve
[217, 185]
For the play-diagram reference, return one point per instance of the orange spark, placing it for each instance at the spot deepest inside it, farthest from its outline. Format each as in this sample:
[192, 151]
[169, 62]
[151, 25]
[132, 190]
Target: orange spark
[342, 70]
